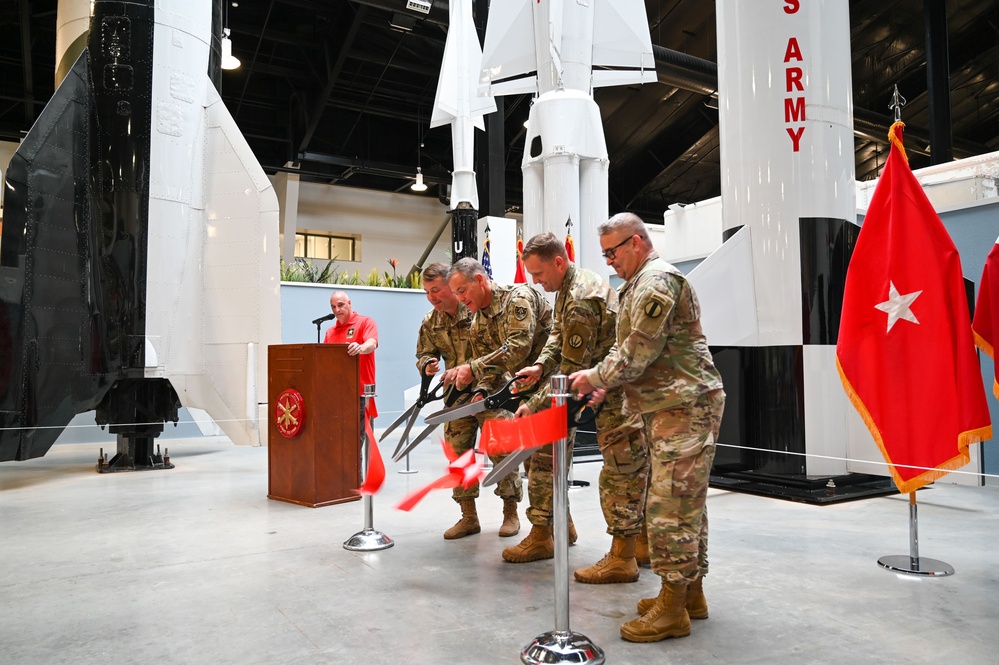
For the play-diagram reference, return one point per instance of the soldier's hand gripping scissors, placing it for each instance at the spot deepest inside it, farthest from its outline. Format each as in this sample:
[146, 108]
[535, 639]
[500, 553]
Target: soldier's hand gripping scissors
[575, 409]
[505, 398]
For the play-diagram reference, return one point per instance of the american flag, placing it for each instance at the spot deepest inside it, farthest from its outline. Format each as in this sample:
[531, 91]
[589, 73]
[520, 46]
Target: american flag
[486, 262]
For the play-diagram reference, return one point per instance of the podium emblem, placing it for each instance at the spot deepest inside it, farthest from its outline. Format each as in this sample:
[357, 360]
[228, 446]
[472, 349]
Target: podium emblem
[289, 413]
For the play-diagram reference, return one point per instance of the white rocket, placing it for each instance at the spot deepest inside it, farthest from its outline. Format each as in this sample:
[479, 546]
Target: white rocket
[140, 245]
[559, 51]
[771, 295]
[458, 103]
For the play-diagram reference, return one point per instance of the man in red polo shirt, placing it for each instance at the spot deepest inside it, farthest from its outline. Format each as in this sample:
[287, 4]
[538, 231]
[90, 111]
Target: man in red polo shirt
[360, 334]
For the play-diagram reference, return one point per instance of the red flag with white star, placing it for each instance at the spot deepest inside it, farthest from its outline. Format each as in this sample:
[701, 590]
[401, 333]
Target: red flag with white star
[905, 351]
[986, 324]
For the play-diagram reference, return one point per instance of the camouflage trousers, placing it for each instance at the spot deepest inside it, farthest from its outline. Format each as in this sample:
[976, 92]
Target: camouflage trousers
[460, 435]
[682, 448]
[511, 486]
[624, 475]
[541, 481]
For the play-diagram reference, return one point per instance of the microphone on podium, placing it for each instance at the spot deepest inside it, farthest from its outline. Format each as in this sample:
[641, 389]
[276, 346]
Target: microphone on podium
[323, 319]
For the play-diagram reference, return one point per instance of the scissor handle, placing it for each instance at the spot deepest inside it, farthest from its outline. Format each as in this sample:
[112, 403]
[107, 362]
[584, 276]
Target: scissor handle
[452, 395]
[434, 395]
[425, 379]
[575, 408]
[505, 395]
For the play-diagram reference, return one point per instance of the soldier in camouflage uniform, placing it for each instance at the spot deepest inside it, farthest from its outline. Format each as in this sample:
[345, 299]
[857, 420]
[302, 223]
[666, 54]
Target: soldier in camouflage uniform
[445, 334]
[510, 325]
[662, 359]
[582, 334]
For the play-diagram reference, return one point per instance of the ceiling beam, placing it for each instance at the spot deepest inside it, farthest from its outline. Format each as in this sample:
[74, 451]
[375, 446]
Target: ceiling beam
[320, 105]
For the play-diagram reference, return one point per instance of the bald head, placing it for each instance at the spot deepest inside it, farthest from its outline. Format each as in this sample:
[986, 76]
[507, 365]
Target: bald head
[340, 304]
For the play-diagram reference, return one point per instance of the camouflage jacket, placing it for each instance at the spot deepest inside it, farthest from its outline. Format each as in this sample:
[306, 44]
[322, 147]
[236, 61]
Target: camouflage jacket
[444, 336]
[508, 335]
[582, 332]
[661, 356]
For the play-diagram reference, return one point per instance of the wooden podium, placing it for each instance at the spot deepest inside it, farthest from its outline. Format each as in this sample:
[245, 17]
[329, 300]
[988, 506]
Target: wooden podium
[320, 462]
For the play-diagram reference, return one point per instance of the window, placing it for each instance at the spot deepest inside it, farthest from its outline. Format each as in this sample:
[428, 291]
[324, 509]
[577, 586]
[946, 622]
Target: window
[324, 246]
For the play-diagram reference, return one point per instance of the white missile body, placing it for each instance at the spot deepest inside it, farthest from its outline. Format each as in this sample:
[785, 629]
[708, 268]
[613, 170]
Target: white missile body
[141, 244]
[772, 292]
[213, 282]
[458, 102]
[549, 48]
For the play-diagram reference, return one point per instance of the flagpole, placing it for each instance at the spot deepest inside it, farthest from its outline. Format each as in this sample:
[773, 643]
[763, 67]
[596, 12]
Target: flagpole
[368, 539]
[914, 564]
[561, 645]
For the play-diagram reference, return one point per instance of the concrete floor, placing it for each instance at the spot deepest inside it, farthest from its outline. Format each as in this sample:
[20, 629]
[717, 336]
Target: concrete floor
[196, 565]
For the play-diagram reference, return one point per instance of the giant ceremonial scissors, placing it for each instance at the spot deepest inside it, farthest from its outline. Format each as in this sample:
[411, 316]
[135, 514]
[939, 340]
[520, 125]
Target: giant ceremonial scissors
[506, 398]
[411, 414]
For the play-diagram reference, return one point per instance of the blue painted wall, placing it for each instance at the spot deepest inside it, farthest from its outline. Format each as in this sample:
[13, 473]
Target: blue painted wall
[398, 313]
[974, 231]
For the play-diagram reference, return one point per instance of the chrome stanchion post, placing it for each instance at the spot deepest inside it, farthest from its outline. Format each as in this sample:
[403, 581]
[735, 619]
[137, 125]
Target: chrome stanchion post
[561, 645]
[914, 564]
[367, 540]
[407, 469]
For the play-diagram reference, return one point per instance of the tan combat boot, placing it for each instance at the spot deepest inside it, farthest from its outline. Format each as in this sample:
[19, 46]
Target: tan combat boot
[642, 555]
[511, 522]
[697, 604]
[469, 522]
[538, 545]
[572, 532]
[666, 618]
[617, 566]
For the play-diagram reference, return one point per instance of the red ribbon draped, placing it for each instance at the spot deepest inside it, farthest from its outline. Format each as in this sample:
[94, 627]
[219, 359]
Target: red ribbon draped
[501, 437]
[375, 475]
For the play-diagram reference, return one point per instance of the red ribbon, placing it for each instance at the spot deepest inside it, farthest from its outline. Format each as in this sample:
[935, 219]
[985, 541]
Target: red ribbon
[375, 475]
[501, 437]
[465, 471]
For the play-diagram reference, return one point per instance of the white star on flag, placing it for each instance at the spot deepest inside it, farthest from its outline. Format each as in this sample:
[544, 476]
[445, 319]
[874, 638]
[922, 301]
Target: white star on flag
[897, 306]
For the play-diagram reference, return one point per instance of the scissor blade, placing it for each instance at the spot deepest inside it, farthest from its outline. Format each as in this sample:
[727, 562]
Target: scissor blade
[507, 465]
[405, 435]
[455, 412]
[398, 421]
[412, 446]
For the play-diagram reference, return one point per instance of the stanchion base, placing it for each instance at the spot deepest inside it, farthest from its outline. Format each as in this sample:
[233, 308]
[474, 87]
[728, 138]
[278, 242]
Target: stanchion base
[368, 540]
[902, 563]
[408, 471]
[560, 646]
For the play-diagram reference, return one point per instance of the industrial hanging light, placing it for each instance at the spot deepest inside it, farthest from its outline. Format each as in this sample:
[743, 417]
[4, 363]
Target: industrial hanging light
[229, 61]
[419, 185]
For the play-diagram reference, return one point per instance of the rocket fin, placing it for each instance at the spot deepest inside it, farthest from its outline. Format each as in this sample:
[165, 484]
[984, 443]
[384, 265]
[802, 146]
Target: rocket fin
[621, 41]
[509, 60]
[235, 299]
[457, 87]
[51, 361]
[727, 294]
